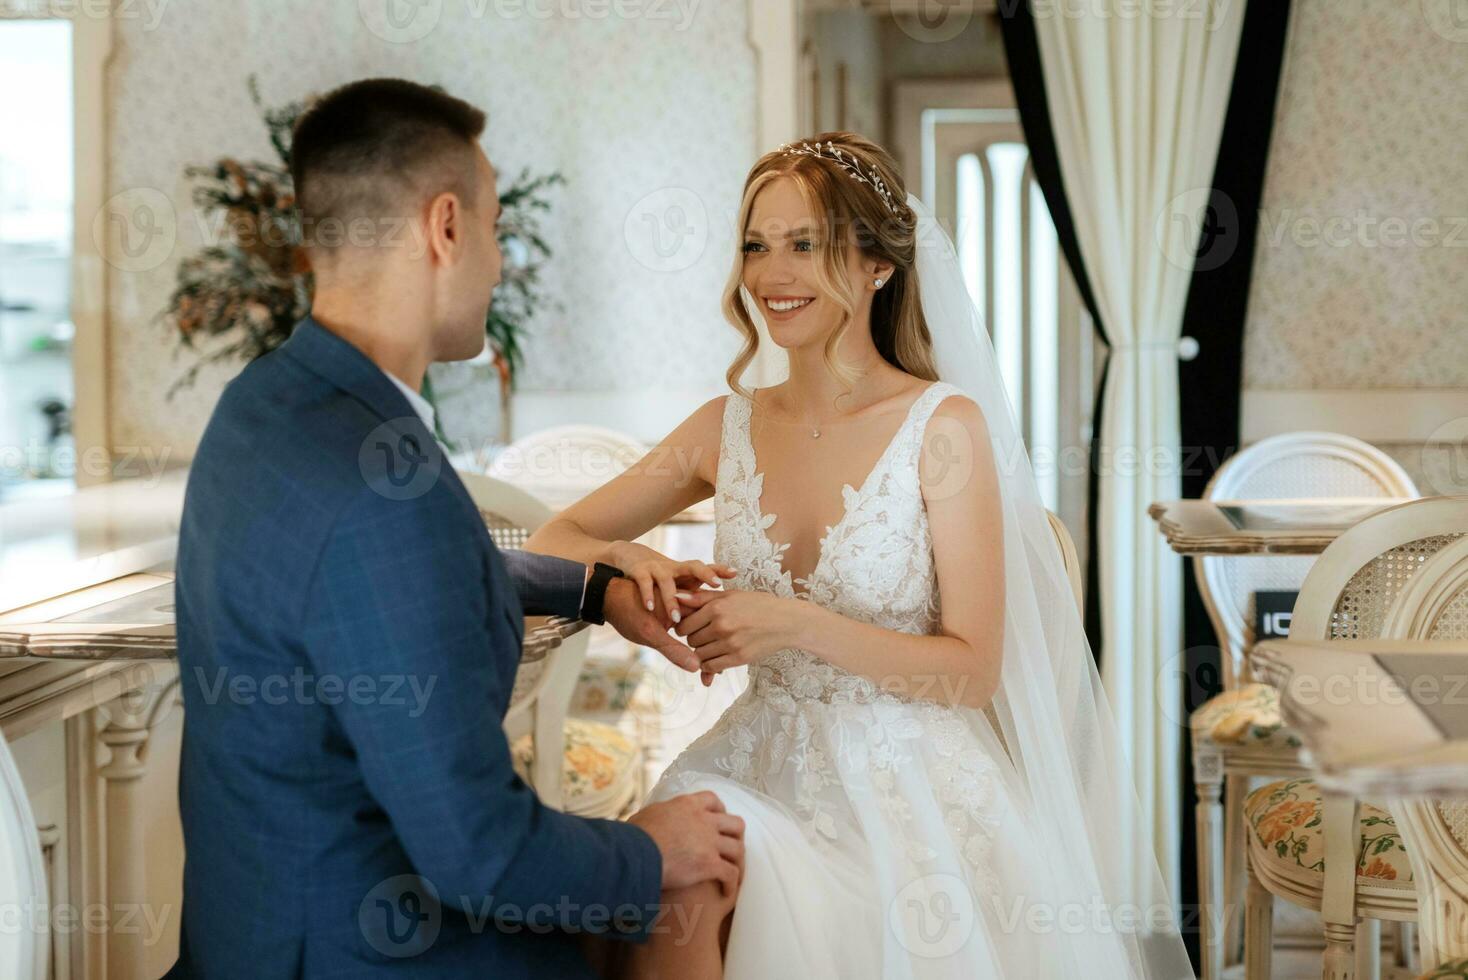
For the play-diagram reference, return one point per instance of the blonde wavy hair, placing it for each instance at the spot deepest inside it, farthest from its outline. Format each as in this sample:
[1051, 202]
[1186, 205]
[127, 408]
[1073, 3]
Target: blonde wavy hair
[850, 214]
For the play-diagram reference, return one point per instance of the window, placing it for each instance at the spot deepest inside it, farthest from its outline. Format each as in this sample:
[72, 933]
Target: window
[36, 207]
[965, 141]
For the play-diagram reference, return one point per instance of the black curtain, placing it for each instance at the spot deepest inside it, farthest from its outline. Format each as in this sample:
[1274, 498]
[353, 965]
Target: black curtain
[1210, 385]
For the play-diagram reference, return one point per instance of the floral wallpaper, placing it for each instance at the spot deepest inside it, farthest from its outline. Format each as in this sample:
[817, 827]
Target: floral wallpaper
[1363, 240]
[647, 108]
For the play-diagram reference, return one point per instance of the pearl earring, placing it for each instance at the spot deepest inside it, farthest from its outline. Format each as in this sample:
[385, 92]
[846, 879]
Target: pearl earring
[879, 283]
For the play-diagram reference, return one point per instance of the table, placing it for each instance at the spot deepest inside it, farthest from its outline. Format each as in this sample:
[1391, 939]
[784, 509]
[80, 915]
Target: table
[1304, 526]
[54, 545]
[131, 618]
[1380, 718]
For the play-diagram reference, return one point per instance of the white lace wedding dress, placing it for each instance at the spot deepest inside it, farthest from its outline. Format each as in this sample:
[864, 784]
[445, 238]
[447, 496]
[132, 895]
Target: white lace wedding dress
[886, 836]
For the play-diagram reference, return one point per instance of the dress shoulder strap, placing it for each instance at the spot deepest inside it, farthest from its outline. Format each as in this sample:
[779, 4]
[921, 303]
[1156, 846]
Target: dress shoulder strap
[910, 436]
[734, 437]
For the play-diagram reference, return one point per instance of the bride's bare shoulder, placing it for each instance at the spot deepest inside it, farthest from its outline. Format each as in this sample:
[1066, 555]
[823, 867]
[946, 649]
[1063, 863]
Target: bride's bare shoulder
[700, 433]
[956, 433]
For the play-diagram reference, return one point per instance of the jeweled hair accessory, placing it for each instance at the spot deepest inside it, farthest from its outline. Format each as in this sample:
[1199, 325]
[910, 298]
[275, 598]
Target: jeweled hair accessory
[848, 162]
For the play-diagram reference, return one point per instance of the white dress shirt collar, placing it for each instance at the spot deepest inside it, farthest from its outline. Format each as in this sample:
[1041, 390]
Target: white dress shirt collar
[420, 404]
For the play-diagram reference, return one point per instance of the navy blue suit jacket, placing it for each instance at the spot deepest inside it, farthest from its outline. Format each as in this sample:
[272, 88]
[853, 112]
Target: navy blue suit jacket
[348, 638]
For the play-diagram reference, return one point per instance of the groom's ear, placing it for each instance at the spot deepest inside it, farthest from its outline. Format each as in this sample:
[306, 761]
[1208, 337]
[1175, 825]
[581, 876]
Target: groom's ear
[444, 227]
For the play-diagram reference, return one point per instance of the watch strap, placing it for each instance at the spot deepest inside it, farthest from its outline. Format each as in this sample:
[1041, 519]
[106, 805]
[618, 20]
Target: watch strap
[593, 605]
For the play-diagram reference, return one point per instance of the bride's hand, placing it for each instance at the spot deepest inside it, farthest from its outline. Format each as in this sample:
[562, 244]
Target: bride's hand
[655, 573]
[734, 628]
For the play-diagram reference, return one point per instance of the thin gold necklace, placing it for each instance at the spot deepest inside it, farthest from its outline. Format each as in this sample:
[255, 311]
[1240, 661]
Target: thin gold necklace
[815, 427]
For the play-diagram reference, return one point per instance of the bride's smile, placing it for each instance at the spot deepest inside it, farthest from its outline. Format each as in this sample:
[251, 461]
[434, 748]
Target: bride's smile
[786, 307]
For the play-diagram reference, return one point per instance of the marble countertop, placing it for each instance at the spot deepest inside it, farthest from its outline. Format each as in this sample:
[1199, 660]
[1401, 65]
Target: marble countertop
[54, 545]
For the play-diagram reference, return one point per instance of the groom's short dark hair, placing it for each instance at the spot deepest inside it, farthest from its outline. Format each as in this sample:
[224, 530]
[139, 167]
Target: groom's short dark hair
[378, 148]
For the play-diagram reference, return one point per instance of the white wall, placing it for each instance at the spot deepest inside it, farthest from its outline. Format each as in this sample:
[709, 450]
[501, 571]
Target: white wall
[641, 114]
[1357, 318]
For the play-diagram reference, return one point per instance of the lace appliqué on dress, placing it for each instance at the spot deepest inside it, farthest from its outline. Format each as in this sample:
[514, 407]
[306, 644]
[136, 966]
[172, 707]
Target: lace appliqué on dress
[804, 727]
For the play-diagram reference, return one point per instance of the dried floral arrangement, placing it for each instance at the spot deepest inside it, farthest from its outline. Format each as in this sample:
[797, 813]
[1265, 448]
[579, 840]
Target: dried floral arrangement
[244, 292]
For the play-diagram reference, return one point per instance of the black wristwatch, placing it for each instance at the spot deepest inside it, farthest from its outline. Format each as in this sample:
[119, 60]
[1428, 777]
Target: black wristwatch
[592, 606]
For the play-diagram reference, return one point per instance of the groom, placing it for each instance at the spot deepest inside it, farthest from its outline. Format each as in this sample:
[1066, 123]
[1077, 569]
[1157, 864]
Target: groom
[348, 634]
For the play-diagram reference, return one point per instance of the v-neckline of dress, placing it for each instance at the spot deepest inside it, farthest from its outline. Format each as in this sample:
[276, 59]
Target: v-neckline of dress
[848, 493]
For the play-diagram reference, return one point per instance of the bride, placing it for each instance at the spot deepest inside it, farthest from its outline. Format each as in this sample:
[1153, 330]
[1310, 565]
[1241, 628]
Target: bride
[923, 757]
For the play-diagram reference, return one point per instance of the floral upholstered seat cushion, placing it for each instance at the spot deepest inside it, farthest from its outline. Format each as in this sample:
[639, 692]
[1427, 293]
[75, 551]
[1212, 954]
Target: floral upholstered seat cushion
[611, 685]
[1285, 820]
[600, 762]
[1454, 970]
[1246, 716]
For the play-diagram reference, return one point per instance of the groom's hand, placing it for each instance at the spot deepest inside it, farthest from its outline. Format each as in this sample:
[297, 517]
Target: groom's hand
[624, 610]
[698, 839]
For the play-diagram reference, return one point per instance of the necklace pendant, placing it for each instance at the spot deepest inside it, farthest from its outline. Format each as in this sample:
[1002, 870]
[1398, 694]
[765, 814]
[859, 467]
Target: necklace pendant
[815, 433]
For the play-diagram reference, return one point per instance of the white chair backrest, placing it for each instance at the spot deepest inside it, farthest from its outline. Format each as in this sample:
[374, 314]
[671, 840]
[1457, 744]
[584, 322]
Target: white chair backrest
[1297, 464]
[511, 513]
[23, 947]
[1354, 583]
[561, 465]
[1434, 606]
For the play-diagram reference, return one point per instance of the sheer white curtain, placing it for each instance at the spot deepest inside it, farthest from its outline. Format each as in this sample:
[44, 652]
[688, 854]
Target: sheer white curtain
[1137, 96]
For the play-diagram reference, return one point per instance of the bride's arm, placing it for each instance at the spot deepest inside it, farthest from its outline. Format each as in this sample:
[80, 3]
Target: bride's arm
[677, 473]
[961, 664]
